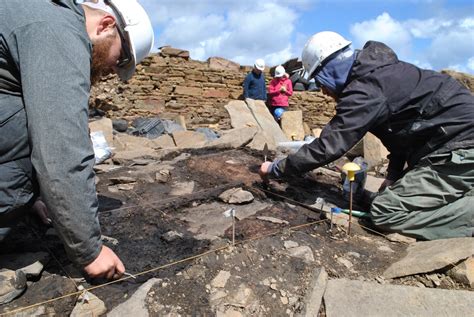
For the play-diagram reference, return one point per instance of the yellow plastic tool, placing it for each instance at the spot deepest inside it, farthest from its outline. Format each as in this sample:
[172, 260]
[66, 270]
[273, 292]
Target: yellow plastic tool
[351, 169]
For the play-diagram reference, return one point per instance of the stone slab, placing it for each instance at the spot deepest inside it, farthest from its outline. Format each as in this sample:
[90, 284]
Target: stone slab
[428, 256]
[234, 138]
[189, 139]
[136, 305]
[292, 125]
[315, 293]
[356, 298]
[207, 221]
[255, 114]
[260, 139]
[265, 120]
[164, 141]
[240, 115]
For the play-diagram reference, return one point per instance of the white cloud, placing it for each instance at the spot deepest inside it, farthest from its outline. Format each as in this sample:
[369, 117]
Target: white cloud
[454, 46]
[426, 29]
[384, 29]
[448, 43]
[248, 29]
[470, 64]
[240, 31]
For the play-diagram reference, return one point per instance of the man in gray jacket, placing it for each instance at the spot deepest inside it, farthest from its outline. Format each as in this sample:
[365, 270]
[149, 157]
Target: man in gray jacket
[51, 51]
[424, 118]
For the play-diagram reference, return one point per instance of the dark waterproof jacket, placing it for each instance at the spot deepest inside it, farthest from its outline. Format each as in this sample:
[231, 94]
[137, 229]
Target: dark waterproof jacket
[254, 86]
[45, 60]
[414, 112]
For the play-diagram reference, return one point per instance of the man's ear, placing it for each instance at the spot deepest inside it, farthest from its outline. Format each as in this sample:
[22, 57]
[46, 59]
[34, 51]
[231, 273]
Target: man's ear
[107, 24]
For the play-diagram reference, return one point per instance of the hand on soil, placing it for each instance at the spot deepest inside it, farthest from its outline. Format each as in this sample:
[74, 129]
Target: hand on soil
[106, 265]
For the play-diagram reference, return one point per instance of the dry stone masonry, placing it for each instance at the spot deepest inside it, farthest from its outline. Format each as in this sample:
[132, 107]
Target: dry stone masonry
[169, 84]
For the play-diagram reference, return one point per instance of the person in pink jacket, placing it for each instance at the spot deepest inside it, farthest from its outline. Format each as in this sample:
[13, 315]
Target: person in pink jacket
[279, 89]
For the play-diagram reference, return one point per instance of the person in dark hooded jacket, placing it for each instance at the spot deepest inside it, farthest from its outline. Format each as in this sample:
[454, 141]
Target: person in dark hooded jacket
[424, 118]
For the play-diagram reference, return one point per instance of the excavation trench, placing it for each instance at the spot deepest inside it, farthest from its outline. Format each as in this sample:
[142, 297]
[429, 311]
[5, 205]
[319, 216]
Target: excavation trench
[154, 221]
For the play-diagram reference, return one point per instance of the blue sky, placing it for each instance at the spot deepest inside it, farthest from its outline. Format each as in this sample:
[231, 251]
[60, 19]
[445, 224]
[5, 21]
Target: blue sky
[432, 34]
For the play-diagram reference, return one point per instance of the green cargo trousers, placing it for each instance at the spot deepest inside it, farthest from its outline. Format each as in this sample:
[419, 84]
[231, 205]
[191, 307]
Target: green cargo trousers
[435, 200]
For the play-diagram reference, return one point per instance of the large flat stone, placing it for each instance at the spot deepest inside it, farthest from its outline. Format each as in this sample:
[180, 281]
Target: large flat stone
[207, 221]
[255, 114]
[240, 115]
[355, 298]
[260, 139]
[234, 138]
[128, 147]
[315, 293]
[136, 305]
[292, 125]
[265, 120]
[189, 139]
[164, 141]
[428, 256]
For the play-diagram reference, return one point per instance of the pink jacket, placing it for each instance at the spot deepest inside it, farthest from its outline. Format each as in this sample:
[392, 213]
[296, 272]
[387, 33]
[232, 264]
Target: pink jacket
[277, 98]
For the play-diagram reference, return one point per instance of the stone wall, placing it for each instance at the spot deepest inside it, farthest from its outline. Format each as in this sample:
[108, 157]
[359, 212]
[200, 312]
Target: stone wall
[167, 86]
[170, 84]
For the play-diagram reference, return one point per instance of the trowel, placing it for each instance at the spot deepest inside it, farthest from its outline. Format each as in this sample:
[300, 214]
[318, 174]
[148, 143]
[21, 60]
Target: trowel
[265, 152]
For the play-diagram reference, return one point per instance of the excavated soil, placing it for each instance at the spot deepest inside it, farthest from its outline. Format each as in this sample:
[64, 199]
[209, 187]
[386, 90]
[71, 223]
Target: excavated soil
[135, 220]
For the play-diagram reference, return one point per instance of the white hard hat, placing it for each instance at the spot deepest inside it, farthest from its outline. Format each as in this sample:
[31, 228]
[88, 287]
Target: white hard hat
[259, 64]
[135, 28]
[279, 71]
[319, 47]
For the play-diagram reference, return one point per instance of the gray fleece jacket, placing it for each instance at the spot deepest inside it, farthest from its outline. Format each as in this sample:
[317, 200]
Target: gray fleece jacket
[45, 60]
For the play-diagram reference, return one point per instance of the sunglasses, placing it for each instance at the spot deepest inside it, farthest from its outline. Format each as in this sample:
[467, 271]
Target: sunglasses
[125, 55]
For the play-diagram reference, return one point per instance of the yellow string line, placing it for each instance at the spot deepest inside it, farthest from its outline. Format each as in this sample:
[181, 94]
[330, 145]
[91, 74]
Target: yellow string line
[159, 268]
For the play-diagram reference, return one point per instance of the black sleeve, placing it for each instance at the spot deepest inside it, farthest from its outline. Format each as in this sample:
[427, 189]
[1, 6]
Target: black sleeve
[356, 112]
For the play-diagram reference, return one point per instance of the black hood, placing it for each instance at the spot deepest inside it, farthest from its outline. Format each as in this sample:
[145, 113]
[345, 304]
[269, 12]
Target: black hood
[374, 55]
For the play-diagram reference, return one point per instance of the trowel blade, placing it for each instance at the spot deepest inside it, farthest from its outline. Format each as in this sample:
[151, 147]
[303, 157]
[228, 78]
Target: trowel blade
[265, 152]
